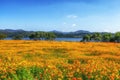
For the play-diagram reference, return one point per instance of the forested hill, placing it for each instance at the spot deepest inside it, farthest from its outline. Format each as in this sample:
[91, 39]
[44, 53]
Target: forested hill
[78, 33]
[11, 33]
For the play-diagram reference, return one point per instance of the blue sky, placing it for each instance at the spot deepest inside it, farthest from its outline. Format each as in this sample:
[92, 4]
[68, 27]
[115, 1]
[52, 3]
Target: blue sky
[62, 15]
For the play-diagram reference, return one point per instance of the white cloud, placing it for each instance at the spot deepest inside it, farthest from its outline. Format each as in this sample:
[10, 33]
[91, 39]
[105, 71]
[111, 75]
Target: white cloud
[74, 25]
[72, 16]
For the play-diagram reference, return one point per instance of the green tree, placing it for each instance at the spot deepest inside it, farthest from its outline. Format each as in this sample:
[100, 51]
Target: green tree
[32, 36]
[96, 37]
[17, 37]
[117, 37]
[35, 36]
[112, 39]
[86, 37]
[42, 35]
[50, 36]
[2, 36]
[107, 37]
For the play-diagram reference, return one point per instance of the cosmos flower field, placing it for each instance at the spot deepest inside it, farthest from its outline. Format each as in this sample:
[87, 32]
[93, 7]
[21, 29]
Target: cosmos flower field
[52, 60]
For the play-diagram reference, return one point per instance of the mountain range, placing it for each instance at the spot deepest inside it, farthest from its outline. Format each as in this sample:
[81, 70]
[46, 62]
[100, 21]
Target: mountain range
[79, 33]
[54, 31]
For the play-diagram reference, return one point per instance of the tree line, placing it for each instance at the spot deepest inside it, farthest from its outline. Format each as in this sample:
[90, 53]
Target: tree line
[105, 37]
[40, 35]
[92, 37]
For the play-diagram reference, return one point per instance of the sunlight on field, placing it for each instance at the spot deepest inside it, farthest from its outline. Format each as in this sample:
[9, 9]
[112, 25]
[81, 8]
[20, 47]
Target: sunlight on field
[52, 60]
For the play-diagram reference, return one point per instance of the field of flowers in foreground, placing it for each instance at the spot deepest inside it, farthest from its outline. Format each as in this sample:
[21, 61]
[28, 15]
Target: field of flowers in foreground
[51, 60]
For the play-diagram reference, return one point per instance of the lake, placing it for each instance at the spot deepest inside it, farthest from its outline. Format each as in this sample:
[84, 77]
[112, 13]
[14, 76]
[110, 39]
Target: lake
[57, 39]
[68, 39]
